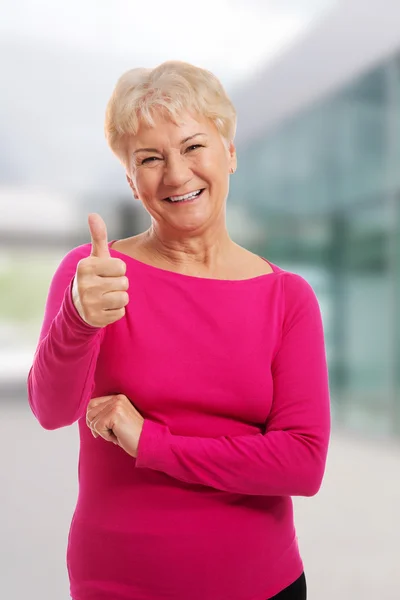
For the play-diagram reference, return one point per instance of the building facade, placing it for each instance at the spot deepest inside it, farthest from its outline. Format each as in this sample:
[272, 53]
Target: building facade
[319, 167]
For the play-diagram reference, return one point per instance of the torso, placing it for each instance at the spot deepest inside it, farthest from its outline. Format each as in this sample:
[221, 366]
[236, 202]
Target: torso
[241, 263]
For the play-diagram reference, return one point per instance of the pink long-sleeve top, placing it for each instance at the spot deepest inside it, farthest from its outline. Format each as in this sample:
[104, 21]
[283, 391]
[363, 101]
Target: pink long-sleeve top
[231, 379]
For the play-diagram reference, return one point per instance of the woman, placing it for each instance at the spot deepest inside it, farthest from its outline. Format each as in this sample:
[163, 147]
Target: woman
[195, 369]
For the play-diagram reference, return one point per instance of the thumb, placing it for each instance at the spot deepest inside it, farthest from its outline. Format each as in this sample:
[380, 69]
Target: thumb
[98, 232]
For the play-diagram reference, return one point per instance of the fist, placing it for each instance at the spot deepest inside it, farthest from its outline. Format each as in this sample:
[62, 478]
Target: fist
[115, 419]
[99, 289]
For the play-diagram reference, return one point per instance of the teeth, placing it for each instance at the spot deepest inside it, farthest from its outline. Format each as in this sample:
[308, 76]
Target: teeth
[186, 197]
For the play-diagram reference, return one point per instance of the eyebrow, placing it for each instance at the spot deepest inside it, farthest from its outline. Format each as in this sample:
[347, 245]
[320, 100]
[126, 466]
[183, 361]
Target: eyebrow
[155, 149]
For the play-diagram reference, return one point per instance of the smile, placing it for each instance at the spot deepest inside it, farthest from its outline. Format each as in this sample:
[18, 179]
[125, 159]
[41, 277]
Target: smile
[186, 198]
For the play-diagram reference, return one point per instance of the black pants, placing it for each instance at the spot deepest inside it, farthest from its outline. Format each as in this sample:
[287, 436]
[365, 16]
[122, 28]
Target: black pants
[296, 591]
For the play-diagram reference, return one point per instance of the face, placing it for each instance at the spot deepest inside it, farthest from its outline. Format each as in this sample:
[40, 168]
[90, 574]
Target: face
[168, 161]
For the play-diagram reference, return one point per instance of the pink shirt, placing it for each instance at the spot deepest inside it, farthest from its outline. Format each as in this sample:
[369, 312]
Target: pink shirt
[231, 379]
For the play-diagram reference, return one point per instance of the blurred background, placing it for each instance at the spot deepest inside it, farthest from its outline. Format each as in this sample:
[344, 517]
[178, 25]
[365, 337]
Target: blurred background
[316, 84]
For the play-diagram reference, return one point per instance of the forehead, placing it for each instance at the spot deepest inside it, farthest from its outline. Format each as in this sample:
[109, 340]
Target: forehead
[166, 130]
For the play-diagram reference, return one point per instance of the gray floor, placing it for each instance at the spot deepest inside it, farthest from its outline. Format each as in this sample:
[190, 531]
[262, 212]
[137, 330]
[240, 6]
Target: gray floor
[349, 533]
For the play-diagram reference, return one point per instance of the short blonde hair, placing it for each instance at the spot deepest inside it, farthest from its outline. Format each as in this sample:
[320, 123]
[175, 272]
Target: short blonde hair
[173, 86]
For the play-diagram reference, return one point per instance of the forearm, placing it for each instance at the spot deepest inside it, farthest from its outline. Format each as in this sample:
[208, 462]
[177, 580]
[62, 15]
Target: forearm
[276, 463]
[61, 378]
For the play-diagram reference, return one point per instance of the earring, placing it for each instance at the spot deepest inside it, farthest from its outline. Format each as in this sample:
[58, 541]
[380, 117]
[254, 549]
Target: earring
[231, 170]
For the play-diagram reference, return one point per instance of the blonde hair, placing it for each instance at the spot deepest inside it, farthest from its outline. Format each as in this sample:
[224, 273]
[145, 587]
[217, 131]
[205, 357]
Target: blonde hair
[173, 86]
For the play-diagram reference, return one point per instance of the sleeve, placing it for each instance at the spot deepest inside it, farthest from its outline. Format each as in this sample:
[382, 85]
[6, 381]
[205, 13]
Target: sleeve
[289, 457]
[61, 378]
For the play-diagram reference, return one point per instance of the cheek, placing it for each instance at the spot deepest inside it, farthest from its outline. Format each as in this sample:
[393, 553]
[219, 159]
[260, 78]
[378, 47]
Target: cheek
[218, 172]
[216, 163]
[213, 168]
[147, 182]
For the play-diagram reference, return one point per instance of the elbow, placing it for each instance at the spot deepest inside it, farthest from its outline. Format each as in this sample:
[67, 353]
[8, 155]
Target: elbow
[312, 488]
[53, 422]
[50, 419]
[309, 486]
[312, 479]
[47, 415]
[50, 422]
[313, 463]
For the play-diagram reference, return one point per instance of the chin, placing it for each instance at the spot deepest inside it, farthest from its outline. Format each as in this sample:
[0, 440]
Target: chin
[191, 221]
[191, 225]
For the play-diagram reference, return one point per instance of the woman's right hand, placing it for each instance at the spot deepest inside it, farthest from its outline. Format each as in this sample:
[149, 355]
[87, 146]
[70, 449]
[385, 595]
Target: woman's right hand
[99, 288]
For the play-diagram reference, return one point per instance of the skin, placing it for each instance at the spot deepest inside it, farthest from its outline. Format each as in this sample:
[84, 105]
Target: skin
[113, 418]
[189, 238]
[186, 232]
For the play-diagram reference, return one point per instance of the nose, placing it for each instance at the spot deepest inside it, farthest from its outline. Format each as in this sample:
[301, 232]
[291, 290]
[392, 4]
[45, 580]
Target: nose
[177, 171]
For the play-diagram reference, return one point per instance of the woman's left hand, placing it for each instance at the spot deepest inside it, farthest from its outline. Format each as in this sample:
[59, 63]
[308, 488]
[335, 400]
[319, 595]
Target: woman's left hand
[115, 419]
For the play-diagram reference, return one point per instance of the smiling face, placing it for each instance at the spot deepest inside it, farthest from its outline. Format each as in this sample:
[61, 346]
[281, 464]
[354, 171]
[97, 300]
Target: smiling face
[168, 161]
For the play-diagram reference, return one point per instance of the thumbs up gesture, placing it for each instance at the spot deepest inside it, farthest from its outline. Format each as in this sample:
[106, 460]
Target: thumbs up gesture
[99, 288]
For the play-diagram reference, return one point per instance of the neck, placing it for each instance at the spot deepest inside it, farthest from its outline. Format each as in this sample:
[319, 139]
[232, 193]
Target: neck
[203, 251]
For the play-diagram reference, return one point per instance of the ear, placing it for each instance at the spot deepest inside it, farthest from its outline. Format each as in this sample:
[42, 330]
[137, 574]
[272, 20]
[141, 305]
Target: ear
[232, 157]
[132, 186]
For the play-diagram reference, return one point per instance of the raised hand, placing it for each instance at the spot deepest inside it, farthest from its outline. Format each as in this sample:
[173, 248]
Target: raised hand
[99, 288]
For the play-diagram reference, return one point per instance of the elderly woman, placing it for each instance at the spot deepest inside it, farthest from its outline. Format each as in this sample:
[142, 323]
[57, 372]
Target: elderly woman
[196, 371]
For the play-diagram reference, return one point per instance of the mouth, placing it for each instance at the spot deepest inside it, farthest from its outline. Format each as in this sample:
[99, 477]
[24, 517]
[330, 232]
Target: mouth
[185, 199]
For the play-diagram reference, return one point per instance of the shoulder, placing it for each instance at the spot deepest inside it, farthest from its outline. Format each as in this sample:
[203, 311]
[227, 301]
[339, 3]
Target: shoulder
[67, 266]
[131, 246]
[248, 264]
[61, 279]
[296, 286]
[300, 300]
[71, 259]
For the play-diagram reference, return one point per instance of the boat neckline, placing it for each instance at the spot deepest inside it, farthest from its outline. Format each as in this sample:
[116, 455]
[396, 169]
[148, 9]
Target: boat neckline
[147, 266]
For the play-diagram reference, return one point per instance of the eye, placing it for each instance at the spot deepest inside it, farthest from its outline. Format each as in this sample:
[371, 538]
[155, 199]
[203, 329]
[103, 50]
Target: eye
[194, 147]
[149, 159]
